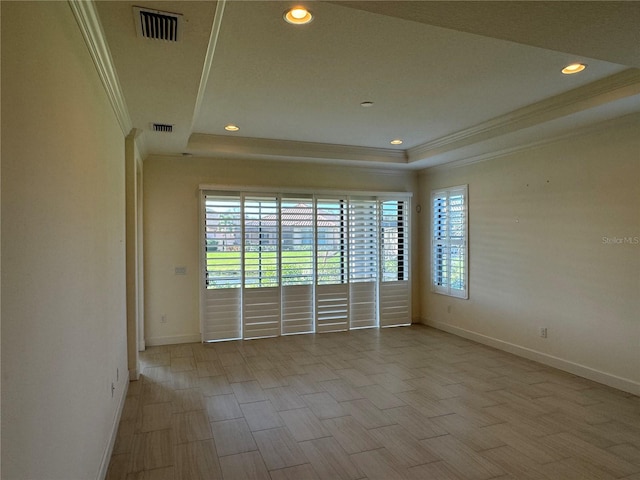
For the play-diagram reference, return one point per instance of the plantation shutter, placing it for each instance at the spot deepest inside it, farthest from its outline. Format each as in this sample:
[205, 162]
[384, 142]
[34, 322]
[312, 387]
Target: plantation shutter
[332, 289]
[363, 263]
[449, 244]
[395, 288]
[261, 294]
[458, 241]
[297, 264]
[221, 298]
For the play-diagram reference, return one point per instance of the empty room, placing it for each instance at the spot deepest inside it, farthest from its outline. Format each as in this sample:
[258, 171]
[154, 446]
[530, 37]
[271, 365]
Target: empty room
[320, 240]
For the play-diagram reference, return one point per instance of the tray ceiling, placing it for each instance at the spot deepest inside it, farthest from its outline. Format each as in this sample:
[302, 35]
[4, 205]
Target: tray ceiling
[443, 77]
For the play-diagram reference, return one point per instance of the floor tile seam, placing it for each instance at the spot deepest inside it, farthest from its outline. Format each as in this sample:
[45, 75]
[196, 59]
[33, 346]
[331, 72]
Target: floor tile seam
[238, 453]
[253, 401]
[288, 466]
[399, 461]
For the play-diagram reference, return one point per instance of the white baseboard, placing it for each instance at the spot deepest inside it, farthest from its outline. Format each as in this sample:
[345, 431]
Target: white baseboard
[170, 340]
[614, 381]
[106, 458]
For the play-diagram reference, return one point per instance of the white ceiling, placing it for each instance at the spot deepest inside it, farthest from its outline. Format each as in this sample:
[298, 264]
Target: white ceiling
[454, 80]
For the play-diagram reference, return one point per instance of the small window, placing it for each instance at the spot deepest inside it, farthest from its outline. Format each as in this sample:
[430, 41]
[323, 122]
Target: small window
[449, 253]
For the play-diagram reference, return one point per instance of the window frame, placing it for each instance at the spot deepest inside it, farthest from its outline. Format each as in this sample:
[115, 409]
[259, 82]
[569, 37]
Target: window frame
[445, 241]
[223, 309]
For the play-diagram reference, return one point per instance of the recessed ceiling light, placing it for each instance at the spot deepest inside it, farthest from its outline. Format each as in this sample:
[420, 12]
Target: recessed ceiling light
[573, 68]
[366, 104]
[231, 128]
[298, 16]
[397, 141]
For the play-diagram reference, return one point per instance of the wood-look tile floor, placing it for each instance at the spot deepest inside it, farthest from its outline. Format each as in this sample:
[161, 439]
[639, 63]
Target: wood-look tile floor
[398, 403]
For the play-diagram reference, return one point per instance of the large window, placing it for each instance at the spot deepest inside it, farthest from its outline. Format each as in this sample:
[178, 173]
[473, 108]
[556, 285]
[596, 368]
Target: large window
[449, 264]
[280, 264]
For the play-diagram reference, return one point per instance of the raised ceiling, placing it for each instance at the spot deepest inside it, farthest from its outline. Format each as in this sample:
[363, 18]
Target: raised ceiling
[453, 80]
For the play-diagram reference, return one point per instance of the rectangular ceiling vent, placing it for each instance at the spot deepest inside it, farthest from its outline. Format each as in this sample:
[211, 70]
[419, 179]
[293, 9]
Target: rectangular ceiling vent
[162, 127]
[157, 25]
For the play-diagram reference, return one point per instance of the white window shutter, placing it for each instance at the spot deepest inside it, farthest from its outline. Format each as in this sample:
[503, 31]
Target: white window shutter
[297, 222]
[363, 263]
[221, 293]
[332, 288]
[261, 293]
[261, 312]
[222, 315]
[449, 265]
[395, 303]
[297, 309]
[395, 287]
[332, 308]
[280, 265]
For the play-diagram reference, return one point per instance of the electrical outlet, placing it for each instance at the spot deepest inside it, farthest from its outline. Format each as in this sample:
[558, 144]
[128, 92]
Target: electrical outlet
[163, 318]
[448, 308]
[543, 332]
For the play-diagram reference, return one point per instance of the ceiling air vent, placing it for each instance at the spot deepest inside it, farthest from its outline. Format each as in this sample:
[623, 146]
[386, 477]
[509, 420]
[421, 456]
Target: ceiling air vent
[162, 127]
[156, 24]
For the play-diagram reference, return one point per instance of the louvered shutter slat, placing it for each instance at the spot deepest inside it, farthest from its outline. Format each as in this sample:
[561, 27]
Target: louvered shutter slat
[395, 288]
[222, 294]
[363, 263]
[297, 245]
[261, 293]
[332, 288]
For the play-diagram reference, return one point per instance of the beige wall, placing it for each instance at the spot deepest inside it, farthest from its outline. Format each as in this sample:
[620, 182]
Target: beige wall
[133, 175]
[538, 259]
[63, 256]
[171, 199]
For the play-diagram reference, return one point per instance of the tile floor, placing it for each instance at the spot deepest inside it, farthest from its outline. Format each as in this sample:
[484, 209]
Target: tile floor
[399, 403]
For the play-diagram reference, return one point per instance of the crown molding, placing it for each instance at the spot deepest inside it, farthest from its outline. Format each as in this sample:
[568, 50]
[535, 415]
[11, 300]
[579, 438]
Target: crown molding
[618, 122]
[208, 60]
[614, 87]
[290, 149]
[91, 29]
[339, 192]
[349, 168]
